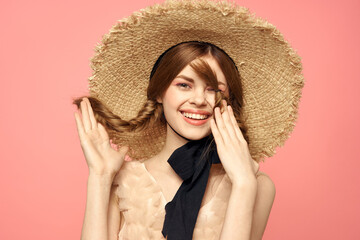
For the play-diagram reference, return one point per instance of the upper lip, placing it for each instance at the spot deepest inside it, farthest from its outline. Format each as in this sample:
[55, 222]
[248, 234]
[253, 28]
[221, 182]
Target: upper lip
[196, 111]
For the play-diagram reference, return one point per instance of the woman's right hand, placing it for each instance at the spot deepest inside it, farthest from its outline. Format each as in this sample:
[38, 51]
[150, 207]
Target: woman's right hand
[101, 158]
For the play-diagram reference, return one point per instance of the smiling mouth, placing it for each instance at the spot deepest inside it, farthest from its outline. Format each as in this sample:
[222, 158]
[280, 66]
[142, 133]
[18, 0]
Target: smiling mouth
[195, 116]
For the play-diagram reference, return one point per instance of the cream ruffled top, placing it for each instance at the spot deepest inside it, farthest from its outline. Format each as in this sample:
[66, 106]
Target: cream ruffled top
[142, 203]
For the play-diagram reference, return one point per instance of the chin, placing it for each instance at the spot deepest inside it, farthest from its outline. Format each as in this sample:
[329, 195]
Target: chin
[196, 136]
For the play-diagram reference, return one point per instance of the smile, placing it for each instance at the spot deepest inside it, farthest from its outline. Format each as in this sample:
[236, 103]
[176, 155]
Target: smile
[194, 116]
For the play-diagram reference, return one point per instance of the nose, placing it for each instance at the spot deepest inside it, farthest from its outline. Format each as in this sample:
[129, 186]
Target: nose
[198, 98]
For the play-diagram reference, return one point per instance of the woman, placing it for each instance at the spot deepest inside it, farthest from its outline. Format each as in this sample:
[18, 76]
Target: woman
[182, 191]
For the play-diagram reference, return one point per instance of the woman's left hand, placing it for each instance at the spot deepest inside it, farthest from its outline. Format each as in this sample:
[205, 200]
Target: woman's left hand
[232, 148]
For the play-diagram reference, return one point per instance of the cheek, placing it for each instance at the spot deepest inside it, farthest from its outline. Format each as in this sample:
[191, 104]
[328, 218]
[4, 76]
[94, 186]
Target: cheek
[172, 101]
[211, 100]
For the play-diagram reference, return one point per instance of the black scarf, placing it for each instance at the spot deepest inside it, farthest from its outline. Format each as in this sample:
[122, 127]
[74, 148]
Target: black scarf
[188, 162]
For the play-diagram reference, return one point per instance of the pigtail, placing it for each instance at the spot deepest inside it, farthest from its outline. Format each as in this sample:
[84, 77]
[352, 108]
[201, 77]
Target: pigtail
[148, 114]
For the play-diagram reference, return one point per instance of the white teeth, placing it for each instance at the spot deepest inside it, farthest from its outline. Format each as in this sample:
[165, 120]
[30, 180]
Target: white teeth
[194, 116]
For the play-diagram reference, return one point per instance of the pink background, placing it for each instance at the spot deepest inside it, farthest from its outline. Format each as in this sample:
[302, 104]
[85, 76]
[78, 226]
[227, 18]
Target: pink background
[45, 52]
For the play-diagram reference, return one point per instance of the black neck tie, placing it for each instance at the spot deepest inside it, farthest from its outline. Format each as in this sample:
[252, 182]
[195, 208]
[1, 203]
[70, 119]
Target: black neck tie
[194, 168]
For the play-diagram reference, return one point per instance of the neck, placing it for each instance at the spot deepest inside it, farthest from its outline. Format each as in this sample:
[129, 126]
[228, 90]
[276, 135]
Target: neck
[172, 142]
[159, 162]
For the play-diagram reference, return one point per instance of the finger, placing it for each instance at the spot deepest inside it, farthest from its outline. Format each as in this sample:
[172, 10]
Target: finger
[91, 114]
[227, 121]
[221, 125]
[113, 145]
[79, 126]
[85, 116]
[127, 158]
[215, 131]
[102, 131]
[238, 132]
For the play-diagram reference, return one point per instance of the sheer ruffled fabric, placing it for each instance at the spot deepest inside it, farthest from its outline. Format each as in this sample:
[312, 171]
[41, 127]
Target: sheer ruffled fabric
[142, 203]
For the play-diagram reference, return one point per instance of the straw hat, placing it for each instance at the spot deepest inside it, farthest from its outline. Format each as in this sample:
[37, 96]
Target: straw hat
[270, 69]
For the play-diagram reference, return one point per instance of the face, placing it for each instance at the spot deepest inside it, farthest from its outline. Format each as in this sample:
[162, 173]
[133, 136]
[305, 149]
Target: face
[188, 102]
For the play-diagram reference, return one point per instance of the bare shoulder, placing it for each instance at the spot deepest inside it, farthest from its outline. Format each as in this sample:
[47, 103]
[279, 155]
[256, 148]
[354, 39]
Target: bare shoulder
[264, 200]
[265, 184]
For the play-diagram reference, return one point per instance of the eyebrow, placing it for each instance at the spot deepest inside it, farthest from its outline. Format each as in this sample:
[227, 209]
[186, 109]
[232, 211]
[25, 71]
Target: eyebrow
[192, 80]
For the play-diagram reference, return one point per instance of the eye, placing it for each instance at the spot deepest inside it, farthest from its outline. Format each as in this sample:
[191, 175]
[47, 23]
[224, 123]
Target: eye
[213, 90]
[182, 85]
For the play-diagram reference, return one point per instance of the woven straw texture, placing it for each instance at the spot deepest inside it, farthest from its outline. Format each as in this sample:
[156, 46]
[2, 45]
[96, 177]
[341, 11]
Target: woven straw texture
[269, 67]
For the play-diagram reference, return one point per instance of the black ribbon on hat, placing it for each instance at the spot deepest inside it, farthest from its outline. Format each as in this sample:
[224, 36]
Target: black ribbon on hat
[193, 167]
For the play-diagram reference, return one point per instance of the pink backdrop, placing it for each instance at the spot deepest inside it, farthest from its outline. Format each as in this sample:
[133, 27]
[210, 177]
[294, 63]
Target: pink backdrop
[45, 52]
